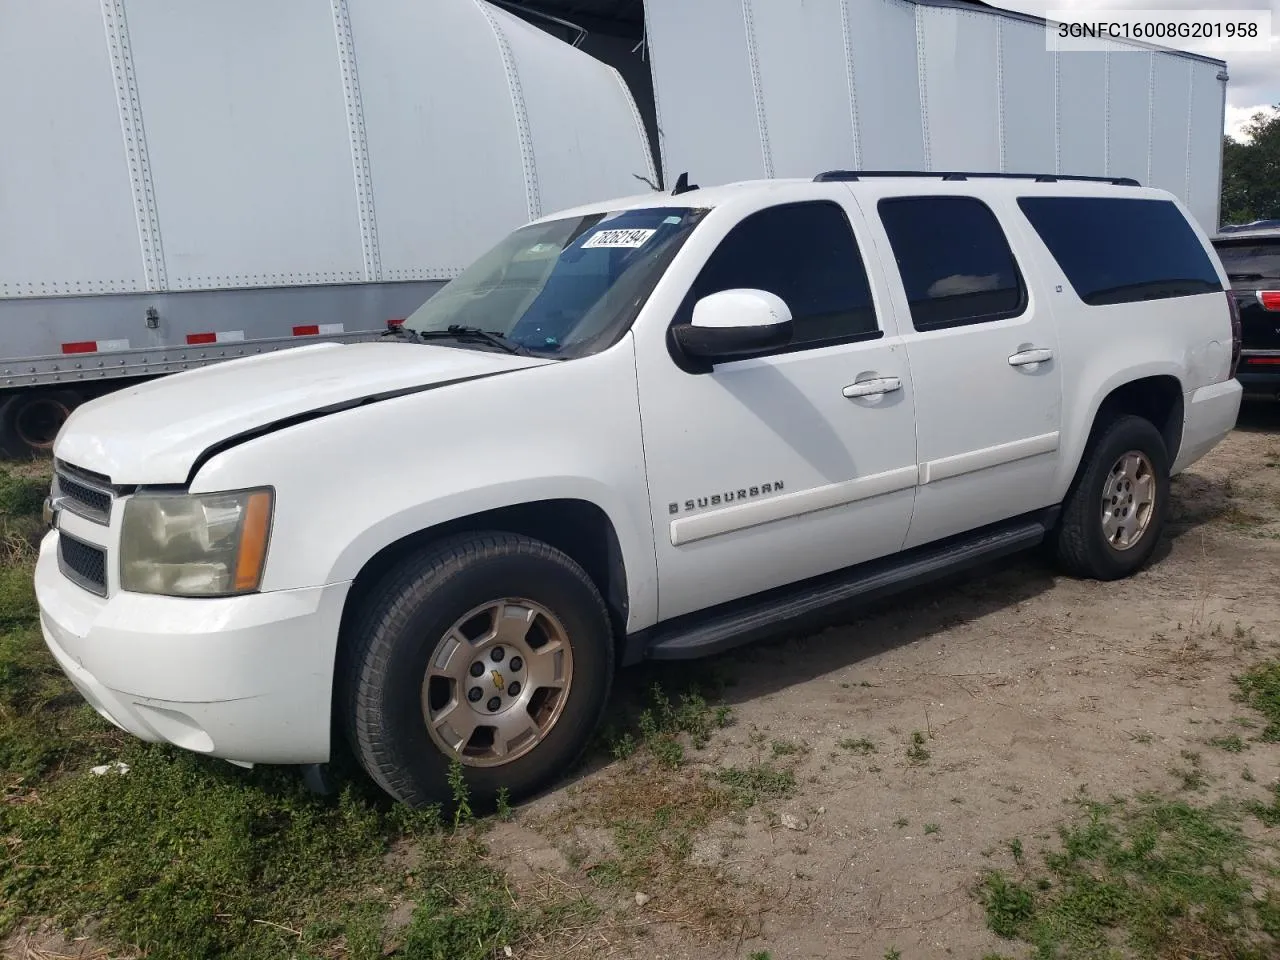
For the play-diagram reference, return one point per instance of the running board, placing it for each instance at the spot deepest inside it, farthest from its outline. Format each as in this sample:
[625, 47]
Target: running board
[708, 633]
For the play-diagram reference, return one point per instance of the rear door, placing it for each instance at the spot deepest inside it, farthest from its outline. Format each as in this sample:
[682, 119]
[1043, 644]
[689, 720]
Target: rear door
[982, 348]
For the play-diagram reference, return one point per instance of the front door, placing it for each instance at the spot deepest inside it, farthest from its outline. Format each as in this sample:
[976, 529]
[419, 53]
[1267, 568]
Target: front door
[983, 352]
[788, 464]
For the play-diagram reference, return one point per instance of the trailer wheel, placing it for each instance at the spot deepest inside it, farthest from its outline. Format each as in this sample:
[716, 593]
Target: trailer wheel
[29, 422]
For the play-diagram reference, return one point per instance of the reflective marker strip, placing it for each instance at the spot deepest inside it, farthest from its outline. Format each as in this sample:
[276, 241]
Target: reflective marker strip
[95, 346]
[317, 329]
[223, 336]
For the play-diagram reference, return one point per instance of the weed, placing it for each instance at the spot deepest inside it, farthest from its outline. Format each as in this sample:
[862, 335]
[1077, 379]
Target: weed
[1269, 814]
[663, 724]
[1015, 848]
[761, 955]
[1192, 777]
[931, 828]
[916, 753]
[1142, 737]
[1260, 689]
[760, 781]
[503, 806]
[1247, 775]
[461, 800]
[785, 748]
[1167, 878]
[901, 822]
[861, 745]
[893, 953]
[1009, 904]
[1231, 743]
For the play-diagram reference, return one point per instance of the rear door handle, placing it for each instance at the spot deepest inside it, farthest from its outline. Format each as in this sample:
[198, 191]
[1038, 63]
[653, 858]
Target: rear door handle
[871, 388]
[1034, 355]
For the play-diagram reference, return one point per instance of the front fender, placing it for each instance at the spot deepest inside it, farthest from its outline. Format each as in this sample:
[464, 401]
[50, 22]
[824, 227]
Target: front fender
[350, 484]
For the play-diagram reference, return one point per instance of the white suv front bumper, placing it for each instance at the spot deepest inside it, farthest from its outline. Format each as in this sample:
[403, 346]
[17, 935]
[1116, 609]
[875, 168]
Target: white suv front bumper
[248, 679]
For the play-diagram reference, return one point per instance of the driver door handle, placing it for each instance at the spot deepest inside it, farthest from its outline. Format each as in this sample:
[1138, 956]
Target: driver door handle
[1034, 355]
[871, 388]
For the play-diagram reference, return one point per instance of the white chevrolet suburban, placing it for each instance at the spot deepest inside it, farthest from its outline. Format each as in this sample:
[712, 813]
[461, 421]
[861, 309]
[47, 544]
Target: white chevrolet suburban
[651, 428]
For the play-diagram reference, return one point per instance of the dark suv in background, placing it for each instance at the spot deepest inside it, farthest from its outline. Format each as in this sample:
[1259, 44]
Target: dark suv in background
[1251, 255]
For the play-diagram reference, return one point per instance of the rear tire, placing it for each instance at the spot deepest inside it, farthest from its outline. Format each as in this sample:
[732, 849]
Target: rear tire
[494, 633]
[1114, 515]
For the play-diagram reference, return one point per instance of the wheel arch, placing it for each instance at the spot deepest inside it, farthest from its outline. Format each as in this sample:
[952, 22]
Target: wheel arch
[580, 528]
[1155, 395]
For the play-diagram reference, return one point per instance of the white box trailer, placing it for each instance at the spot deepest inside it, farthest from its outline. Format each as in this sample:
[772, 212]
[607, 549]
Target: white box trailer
[184, 183]
[786, 88]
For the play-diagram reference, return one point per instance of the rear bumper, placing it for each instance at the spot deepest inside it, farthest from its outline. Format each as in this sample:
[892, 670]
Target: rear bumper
[1259, 372]
[1209, 414]
[247, 679]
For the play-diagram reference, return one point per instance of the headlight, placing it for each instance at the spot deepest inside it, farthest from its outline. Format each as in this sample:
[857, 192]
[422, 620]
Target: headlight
[195, 545]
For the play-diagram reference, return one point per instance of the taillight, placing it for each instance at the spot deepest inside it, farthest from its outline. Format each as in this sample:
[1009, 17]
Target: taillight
[1235, 333]
[1270, 299]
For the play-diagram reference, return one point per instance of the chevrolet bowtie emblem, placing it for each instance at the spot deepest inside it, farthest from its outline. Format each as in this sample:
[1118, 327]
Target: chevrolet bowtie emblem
[497, 680]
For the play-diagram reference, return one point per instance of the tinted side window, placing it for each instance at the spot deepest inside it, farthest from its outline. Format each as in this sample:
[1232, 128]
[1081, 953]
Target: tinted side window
[1122, 249]
[954, 260]
[806, 254]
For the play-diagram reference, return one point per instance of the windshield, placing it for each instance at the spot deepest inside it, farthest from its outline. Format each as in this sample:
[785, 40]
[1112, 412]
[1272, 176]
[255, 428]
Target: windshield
[1251, 258]
[565, 287]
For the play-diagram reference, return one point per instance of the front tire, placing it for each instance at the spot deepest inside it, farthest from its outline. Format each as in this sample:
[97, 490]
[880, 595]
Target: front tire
[493, 650]
[1115, 513]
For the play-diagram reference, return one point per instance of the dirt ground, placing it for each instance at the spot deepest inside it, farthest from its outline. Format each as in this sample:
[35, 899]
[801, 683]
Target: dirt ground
[1024, 688]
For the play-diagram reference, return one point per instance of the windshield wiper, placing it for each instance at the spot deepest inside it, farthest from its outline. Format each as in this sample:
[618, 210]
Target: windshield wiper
[473, 334]
[1244, 276]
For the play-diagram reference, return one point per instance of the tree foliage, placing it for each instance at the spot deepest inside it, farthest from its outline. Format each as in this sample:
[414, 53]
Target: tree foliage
[1251, 171]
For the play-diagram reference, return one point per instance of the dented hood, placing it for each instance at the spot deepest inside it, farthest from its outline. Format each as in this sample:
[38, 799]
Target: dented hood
[157, 431]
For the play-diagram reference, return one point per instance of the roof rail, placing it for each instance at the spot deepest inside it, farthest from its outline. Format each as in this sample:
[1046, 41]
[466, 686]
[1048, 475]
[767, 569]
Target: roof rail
[846, 175]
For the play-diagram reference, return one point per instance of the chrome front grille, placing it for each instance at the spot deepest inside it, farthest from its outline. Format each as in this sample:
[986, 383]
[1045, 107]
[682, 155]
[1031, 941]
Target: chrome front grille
[83, 563]
[83, 493]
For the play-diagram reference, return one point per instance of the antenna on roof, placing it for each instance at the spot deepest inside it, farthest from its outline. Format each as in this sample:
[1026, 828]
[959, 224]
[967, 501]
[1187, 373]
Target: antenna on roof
[682, 185]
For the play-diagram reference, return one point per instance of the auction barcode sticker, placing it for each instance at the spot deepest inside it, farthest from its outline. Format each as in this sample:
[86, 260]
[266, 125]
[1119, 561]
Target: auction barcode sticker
[1207, 32]
[619, 238]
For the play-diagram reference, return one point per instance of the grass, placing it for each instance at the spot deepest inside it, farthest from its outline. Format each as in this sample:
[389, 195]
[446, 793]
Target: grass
[1164, 878]
[1260, 689]
[184, 856]
[861, 745]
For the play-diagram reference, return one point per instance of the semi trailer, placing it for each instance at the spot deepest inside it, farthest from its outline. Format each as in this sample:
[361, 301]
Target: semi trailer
[183, 184]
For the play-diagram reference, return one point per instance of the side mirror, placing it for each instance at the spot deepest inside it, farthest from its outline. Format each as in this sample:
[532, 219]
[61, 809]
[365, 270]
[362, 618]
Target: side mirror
[733, 323]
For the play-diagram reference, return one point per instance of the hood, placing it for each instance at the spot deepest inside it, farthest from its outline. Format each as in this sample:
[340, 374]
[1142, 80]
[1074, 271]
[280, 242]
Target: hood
[156, 432]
